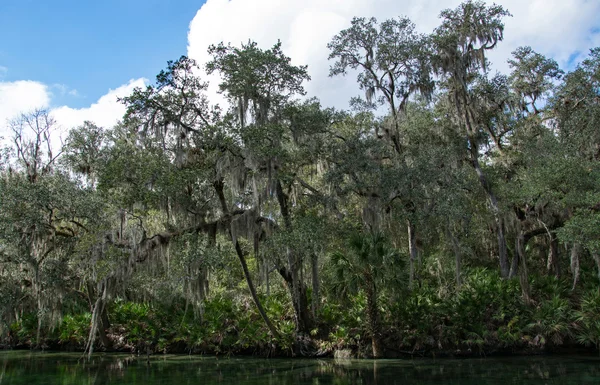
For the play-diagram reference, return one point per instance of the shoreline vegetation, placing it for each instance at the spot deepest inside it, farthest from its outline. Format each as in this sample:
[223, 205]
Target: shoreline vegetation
[487, 317]
[451, 211]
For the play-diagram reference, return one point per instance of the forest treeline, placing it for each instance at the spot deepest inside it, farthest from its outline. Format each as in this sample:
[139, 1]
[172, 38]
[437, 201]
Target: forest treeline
[449, 209]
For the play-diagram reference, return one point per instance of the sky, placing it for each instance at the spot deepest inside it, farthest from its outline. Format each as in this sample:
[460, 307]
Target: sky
[76, 57]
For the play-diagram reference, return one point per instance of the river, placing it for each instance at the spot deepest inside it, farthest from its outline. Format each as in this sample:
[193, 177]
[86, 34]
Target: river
[31, 368]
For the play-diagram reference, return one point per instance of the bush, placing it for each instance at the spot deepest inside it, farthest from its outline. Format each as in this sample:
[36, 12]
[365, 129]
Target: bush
[74, 329]
[552, 320]
[587, 330]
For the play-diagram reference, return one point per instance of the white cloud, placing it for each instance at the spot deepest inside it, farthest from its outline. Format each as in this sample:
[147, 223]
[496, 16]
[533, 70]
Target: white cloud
[26, 95]
[64, 89]
[3, 71]
[17, 97]
[556, 28]
[105, 112]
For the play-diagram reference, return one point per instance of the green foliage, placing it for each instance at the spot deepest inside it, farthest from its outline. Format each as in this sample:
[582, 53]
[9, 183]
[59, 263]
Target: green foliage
[588, 323]
[170, 217]
[553, 321]
[483, 313]
[25, 330]
[75, 329]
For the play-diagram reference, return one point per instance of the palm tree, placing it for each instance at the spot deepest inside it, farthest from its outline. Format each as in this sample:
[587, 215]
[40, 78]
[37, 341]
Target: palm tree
[368, 263]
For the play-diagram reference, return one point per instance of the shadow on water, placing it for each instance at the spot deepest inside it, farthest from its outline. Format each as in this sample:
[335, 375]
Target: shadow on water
[58, 368]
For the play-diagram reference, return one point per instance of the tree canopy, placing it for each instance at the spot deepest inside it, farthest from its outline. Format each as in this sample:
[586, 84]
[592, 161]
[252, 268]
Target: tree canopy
[449, 208]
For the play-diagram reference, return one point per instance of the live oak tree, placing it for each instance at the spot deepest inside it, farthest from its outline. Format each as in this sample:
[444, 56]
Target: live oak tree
[261, 86]
[576, 110]
[393, 64]
[460, 44]
[43, 213]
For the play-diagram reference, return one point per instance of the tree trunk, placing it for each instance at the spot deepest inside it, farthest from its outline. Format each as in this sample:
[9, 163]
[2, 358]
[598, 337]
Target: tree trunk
[255, 298]
[102, 327]
[502, 250]
[457, 255]
[218, 185]
[523, 271]
[553, 264]
[302, 313]
[295, 284]
[516, 261]
[575, 264]
[40, 317]
[373, 317]
[103, 321]
[412, 249]
[597, 259]
[315, 284]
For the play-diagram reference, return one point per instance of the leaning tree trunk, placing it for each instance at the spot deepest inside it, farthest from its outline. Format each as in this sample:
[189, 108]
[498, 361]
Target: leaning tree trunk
[103, 321]
[255, 298]
[219, 186]
[97, 317]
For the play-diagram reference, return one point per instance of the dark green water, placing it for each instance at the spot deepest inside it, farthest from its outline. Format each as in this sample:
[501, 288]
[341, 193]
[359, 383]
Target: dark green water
[56, 368]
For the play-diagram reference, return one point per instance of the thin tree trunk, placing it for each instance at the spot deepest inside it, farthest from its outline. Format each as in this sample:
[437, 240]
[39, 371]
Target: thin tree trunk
[97, 310]
[575, 264]
[412, 249]
[516, 261]
[597, 259]
[255, 298]
[457, 256]
[373, 321]
[553, 264]
[315, 284]
[218, 185]
[103, 321]
[37, 287]
[296, 285]
[502, 250]
[94, 327]
[40, 316]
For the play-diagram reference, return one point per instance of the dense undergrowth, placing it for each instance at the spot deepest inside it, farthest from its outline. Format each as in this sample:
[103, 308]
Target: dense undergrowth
[485, 316]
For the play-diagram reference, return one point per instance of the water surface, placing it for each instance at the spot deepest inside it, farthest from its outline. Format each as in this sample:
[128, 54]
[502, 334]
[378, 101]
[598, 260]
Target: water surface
[60, 368]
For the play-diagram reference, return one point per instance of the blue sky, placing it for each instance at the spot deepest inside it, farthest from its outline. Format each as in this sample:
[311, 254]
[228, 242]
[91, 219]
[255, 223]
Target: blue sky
[90, 46]
[77, 57]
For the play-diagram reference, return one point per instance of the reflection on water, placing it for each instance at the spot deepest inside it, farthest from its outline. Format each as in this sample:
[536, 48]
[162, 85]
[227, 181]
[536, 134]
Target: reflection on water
[56, 368]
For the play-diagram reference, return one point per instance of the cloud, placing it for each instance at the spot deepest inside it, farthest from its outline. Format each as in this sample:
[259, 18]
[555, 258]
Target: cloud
[3, 71]
[19, 96]
[105, 112]
[556, 28]
[26, 95]
[63, 89]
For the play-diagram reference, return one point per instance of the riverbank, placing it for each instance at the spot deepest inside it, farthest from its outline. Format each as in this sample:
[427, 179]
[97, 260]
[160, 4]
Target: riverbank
[308, 348]
[486, 317]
